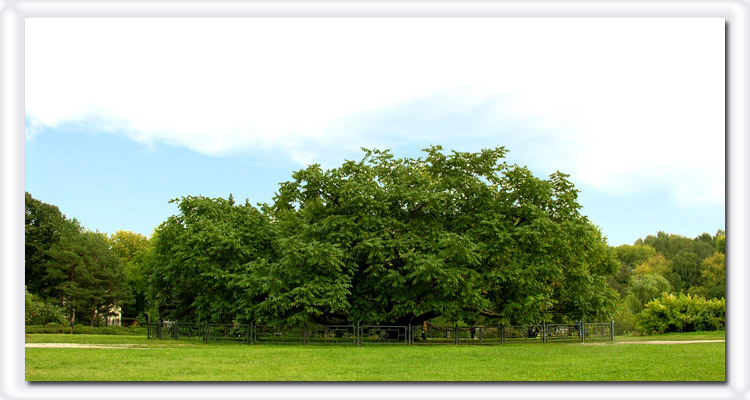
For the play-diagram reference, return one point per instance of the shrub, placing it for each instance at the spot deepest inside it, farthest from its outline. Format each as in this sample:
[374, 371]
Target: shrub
[83, 329]
[34, 328]
[40, 313]
[53, 327]
[681, 313]
[136, 330]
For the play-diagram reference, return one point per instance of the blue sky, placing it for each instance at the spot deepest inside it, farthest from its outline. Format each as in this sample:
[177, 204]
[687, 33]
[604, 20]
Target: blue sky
[120, 122]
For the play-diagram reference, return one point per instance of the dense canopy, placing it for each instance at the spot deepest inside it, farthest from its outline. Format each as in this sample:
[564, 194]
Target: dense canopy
[461, 236]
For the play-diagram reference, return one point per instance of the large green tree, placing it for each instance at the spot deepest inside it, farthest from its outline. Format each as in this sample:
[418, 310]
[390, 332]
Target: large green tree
[195, 255]
[464, 236]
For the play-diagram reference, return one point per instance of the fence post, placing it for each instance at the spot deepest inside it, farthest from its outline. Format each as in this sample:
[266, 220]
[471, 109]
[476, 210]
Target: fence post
[480, 335]
[408, 335]
[158, 328]
[502, 333]
[583, 332]
[455, 334]
[250, 328]
[176, 330]
[357, 338]
[612, 330]
[544, 332]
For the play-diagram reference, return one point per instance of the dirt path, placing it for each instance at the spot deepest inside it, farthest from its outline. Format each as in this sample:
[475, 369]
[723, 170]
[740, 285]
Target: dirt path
[90, 346]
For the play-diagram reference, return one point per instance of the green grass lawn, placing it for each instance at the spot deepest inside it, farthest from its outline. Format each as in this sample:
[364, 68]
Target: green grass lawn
[713, 335]
[168, 360]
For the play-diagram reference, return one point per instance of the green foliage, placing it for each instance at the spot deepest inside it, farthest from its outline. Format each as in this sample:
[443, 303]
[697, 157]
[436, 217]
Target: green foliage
[713, 278]
[687, 265]
[625, 318]
[634, 255]
[55, 328]
[670, 245]
[50, 327]
[657, 264]
[85, 275]
[83, 329]
[667, 263]
[385, 239]
[682, 313]
[721, 244]
[196, 256]
[44, 223]
[629, 257]
[644, 288]
[133, 250]
[39, 313]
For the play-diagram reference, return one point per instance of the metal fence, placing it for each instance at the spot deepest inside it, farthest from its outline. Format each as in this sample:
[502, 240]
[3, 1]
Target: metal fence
[205, 332]
[382, 334]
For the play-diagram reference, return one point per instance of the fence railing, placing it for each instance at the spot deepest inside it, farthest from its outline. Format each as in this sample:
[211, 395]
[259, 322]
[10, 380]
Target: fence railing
[382, 334]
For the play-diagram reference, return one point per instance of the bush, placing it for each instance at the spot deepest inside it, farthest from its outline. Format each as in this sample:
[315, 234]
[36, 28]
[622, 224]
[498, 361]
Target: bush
[682, 313]
[40, 313]
[136, 330]
[53, 327]
[83, 329]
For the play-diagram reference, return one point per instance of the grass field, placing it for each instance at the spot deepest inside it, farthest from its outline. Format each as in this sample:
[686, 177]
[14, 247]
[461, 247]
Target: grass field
[168, 360]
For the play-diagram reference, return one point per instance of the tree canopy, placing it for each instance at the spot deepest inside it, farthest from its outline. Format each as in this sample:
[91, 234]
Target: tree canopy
[462, 236]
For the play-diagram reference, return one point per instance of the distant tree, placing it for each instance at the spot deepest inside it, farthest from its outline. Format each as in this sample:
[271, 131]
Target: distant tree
[656, 264]
[687, 265]
[44, 223]
[634, 255]
[712, 283]
[629, 257]
[707, 239]
[132, 249]
[644, 288]
[87, 277]
[721, 244]
[669, 245]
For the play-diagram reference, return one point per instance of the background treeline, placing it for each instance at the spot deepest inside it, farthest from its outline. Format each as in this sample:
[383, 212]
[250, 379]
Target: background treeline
[671, 283]
[76, 275]
[450, 238]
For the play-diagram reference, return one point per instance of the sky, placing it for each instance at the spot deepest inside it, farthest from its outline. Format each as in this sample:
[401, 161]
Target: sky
[123, 115]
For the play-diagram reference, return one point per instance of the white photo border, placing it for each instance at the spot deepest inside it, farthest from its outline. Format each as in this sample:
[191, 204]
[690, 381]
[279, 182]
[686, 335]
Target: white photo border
[12, 19]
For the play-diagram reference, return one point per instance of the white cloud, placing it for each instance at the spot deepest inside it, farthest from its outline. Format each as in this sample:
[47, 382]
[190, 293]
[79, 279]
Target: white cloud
[622, 104]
